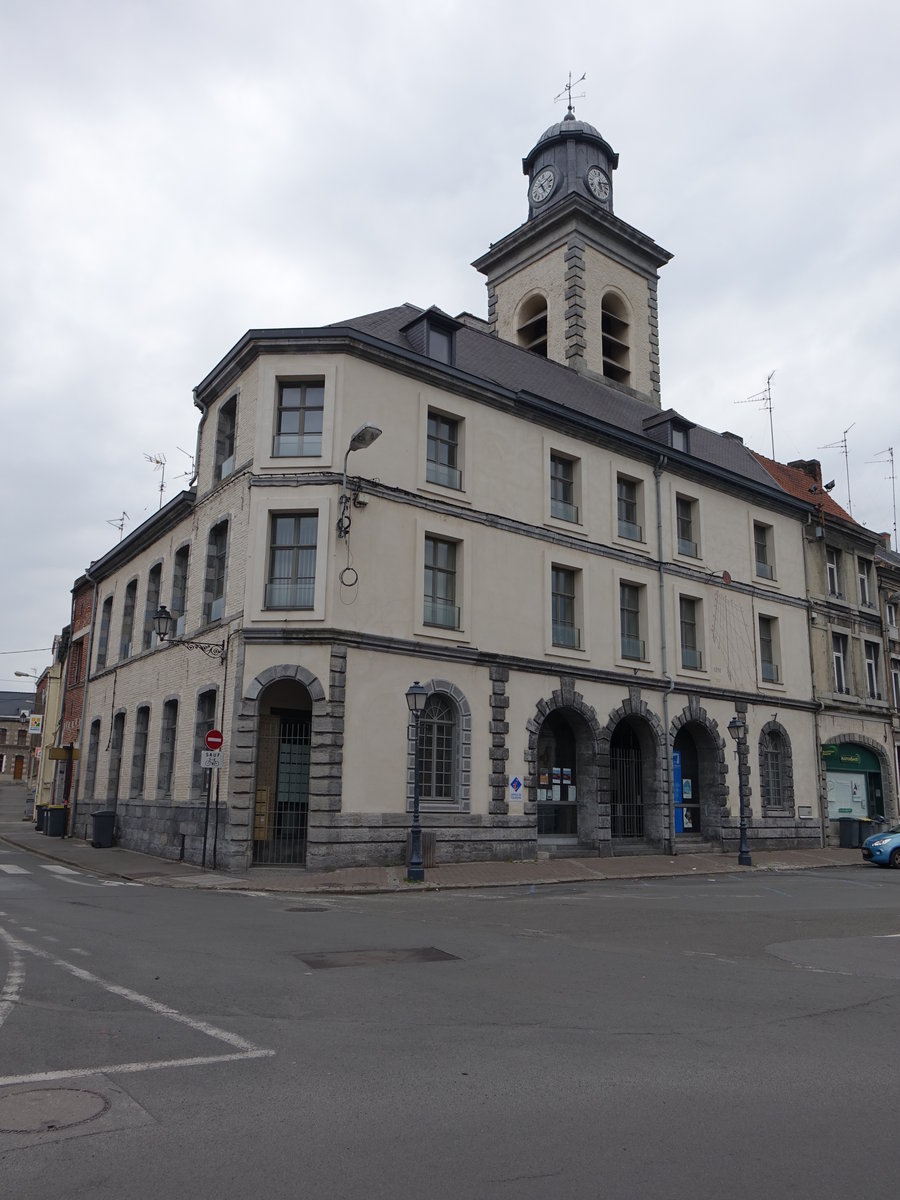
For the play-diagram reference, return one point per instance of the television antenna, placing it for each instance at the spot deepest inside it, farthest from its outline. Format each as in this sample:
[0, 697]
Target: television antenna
[567, 91]
[842, 446]
[159, 464]
[765, 399]
[119, 523]
[878, 460]
[186, 474]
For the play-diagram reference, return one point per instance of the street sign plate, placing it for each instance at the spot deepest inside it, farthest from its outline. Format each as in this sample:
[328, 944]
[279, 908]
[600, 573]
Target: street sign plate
[60, 753]
[210, 758]
[214, 739]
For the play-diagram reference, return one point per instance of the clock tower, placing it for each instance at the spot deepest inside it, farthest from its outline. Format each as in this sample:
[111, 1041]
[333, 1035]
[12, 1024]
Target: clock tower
[574, 283]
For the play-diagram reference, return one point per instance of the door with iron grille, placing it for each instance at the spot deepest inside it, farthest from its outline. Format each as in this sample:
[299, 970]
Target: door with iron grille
[282, 790]
[625, 785]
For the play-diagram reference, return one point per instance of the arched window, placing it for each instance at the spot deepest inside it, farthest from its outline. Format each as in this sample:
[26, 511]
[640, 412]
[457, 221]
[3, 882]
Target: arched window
[531, 325]
[444, 749]
[616, 339]
[776, 782]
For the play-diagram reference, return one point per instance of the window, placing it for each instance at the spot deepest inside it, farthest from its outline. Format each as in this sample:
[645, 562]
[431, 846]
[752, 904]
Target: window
[615, 338]
[775, 770]
[2, 737]
[562, 599]
[128, 620]
[216, 557]
[688, 612]
[685, 521]
[90, 770]
[76, 663]
[768, 664]
[440, 345]
[562, 488]
[166, 767]
[139, 752]
[298, 420]
[442, 456]
[890, 612]
[628, 499]
[872, 671]
[224, 464]
[115, 755]
[437, 750]
[839, 656]
[895, 681]
[762, 545]
[21, 737]
[531, 325]
[630, 621]
[178, 607]
[680, 436]
[103, 639]
[864, 574]
[204, 722]
[440, 584]
[833, 570]
[154, 579]
[292, 561]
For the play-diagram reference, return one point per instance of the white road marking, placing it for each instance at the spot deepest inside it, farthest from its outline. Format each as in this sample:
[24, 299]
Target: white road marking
[78, 950]
[12, 988]
[58, 870]
[12, 869]
[243, 1048]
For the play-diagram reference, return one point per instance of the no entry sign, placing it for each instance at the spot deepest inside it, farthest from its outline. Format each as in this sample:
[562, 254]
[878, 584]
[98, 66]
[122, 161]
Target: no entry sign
[214, 739]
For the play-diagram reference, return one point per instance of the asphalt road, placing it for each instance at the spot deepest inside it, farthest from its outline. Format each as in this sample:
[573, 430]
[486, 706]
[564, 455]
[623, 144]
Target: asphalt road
[682, 1038]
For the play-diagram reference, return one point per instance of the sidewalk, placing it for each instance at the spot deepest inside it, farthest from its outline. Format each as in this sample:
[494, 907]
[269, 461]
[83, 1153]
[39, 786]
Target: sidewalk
[144, 868]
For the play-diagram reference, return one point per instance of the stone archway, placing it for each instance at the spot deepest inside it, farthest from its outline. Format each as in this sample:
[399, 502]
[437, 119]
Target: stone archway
[633, 799]
[566, 708]
[887, 784]
[709, 790]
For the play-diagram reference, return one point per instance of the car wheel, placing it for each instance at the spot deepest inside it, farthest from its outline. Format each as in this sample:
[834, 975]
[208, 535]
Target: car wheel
[895, 859]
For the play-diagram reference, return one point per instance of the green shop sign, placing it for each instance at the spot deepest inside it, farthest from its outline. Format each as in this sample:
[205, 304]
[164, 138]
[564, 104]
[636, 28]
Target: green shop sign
[849, 757]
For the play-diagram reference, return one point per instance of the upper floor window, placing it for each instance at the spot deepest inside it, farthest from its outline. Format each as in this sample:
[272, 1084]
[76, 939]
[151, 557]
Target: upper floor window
[628, 496]
[139, 752]
[864, 573]
[615, 336]
[298, 420]
[890, 612]
[689, 615]
[833, 571]
[178, 605]
[872, 687]
[154, 580]
[768, 649]
[225, 431]
[839, 658]
[2, 737]
[128, 620]
[686, 522]
[103, 637]
[440, 345]
[531, 325]
[216, 559]
[292, 561]
[564, 619]
[895, 681]
[440, 584]
[21, 737]
[442, 460]
[75, 670]
[633, 645]
[563, 505]
[763, 550]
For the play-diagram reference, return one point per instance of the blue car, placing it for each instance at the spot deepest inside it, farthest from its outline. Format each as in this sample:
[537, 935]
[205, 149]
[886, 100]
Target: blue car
[883, 848]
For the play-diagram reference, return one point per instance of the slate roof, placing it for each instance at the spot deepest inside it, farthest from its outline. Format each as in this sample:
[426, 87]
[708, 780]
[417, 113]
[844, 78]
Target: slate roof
[12, 703]
[516, 370]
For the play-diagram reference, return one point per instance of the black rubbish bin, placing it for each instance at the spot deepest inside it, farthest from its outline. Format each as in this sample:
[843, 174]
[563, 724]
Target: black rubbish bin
[55, 820]
[850, 839]
[103, 833]
[40, 813]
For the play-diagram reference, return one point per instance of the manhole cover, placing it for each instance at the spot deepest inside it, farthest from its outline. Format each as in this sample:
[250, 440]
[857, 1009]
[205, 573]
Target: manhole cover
[375, 958]
[44, 1109]
[307, 908]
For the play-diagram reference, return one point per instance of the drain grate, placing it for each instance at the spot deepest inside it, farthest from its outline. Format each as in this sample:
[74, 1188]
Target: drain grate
[376, 958]
[307, 908]
[45, 1109]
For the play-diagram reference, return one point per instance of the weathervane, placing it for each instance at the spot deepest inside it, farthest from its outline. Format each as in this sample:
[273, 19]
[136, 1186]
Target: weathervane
[567, 91]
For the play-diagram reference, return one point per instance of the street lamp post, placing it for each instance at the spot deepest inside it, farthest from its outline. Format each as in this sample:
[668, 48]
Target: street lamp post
[737, 727]
[364, 436]
[415, 868]
[162, 624]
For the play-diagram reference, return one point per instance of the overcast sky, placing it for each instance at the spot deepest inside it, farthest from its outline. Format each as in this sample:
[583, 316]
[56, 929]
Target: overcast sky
[177, 173]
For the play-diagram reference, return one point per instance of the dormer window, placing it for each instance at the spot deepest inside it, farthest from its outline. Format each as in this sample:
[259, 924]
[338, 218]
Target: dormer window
[433, 334]
[669, 428]
[531, 325]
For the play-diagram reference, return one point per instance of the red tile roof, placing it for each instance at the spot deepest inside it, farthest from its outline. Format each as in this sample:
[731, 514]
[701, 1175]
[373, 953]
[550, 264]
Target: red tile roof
[797, 482]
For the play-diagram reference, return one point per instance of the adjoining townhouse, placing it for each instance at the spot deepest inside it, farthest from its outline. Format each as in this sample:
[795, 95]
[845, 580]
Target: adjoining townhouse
[589, 587]
[887, 571]
[850, 645]
[15, 748]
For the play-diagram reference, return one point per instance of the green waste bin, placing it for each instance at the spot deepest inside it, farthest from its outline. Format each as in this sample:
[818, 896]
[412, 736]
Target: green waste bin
[104, 827]
[55, 820]
[40, 813]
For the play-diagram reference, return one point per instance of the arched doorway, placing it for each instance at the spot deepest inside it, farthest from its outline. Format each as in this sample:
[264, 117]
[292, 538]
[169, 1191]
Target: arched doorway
[626, 783]
[557, 777]
[687, 783]
[281, 809]
[854, 781]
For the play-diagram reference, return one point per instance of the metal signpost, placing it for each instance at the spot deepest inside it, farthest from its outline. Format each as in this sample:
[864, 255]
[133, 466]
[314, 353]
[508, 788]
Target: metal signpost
[210, 760]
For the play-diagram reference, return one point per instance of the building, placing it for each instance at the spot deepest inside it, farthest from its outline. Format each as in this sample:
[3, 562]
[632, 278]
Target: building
[590, 587]
[15, 711]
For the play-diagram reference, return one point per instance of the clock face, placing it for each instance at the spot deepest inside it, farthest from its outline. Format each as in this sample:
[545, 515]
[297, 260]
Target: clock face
[598, 183]
[542, 185]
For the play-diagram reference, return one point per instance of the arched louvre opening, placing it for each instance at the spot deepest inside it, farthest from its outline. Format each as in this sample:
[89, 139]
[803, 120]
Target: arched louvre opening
[616, 335]
[531, 326]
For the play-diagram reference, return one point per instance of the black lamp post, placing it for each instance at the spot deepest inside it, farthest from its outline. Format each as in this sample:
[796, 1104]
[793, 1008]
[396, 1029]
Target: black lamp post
[162, 624]
[415, 869]
[737, 727]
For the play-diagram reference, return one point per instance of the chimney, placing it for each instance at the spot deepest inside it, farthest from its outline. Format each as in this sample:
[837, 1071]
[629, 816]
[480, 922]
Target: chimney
[811, 467]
